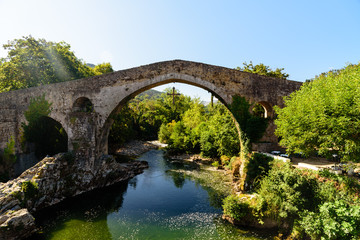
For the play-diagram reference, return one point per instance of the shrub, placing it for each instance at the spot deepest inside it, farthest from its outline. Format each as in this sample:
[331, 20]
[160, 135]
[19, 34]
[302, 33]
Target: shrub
[257, 167]
[165, 132]
[335, 220]
[235, 207]
[30, 189]
[9, 152]
[231, 162]
[216, 164]
[285, 192]
[225, 160]
[7, 159]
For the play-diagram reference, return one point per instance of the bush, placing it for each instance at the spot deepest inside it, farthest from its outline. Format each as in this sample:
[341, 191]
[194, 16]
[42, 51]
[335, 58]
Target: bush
[7, 159]
[216, 164]
[30, 190]
[257, 167]
[235, 207]
[225, 160]
[9, 156]
[165, 132]
[335, 220]
[285, 192]
[231, 162]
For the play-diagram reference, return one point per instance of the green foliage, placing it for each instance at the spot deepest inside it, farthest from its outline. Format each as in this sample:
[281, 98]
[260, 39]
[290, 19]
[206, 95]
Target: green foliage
[143, 116]
[251, 126]
[323, 116]
[123, 128]
[165, 132]
[258, 110]
[47, 134]
[103, 68]
[335, 220]
[9, 156]
[306, 203]
[38, 107]
[30, 190]
[284, 193]
[257, 167]
[210, 131]
[236, 207]
[7, 159]
[187, 126]
[33, 62]
[231, 162]
[216, 164]
[261, 69]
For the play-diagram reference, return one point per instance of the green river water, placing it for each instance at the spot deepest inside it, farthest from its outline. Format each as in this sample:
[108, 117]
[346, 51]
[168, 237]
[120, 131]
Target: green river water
[157, 204]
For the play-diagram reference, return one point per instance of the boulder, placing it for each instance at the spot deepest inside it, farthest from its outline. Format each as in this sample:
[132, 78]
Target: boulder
[49, 182]
[17, 224]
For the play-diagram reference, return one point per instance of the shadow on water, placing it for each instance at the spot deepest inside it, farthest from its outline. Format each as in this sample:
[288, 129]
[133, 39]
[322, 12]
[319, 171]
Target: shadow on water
[71, 218]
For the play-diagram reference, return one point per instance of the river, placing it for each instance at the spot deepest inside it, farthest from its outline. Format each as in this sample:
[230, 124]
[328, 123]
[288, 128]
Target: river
[157, 204]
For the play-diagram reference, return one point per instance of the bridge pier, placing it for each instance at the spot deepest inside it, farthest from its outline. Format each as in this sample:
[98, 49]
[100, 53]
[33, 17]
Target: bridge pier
[82, 129]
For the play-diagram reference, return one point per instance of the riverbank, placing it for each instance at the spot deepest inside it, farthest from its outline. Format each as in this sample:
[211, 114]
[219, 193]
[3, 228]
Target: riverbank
[161, 203]
[136, 148]
[51, 181]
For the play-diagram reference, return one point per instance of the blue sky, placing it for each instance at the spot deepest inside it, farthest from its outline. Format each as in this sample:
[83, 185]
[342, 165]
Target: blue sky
[304, 37]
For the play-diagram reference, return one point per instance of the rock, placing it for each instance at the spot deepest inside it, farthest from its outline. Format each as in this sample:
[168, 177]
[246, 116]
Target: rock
[17, 224]
[250, 221]
[50, 182]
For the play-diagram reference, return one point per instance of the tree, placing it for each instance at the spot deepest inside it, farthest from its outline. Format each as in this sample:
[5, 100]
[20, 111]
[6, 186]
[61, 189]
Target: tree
[261, 69]
[323, 116]
[33, 62]
[103, 68]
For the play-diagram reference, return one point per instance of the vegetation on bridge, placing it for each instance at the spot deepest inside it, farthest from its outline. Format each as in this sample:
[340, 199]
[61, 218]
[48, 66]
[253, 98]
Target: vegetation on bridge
[262, 69]
[46, 134]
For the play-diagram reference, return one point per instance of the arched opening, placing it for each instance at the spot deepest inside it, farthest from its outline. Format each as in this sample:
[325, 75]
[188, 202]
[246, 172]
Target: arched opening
[258, 110]
[200, 110]
[46, 136]
[83, 104]
[262, 109]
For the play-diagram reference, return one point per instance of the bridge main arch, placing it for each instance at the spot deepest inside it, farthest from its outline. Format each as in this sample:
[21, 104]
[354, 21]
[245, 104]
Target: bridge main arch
[121, 100]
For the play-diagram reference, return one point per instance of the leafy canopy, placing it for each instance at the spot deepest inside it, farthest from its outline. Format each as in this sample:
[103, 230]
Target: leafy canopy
[262, 69]
[33, 62]
[323, 116]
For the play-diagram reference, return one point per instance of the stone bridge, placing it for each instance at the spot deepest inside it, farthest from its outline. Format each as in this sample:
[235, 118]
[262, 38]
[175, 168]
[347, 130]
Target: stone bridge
[88, 130]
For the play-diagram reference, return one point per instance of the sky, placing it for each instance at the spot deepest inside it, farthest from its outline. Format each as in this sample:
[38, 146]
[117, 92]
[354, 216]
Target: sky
[304, 37]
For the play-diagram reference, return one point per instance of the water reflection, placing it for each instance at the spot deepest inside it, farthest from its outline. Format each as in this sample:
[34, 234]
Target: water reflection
[81, 217]
[161, 203]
